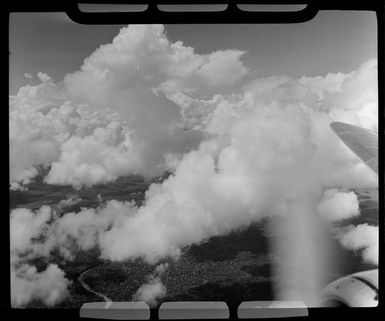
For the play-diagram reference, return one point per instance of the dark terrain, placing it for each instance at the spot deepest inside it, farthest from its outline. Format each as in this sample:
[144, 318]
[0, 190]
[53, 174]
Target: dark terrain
[233, 268]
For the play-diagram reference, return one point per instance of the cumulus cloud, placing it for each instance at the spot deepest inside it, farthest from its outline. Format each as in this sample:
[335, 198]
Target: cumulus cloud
[327, 85]
[70, 201]
[127, 75]
[26, 225]
[43, 77]
[22, 178]
[42, 96]
[28, 75]
[142, 55]
[29, 147]
[49, 286]
[134, 72]
[357, 103]
[155, 87]
[362, 237]
[98, 158]
[337, 205]
[263, 150]
[27, 284]
[68, 139]
[35, 234]
[153, 290]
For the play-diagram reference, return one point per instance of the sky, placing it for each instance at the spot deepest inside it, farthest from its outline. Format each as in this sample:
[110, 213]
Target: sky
[332, 41]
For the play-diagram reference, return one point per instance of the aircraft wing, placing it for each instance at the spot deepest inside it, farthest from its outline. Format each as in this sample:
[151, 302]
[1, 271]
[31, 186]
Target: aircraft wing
[363, 142]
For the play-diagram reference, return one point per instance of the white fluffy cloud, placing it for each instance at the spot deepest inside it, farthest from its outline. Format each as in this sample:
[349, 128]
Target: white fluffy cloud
[141, 55]
[98, 158]
[352, 98]
[153, 290]
[264, 152]
[26, 225]
[337, 205]
[129, 76]
[38, 233]
[27, 284]
[362, 237]
[70, 201]
[49, 286]
[153, 88]
[43, 77]
[327, 85]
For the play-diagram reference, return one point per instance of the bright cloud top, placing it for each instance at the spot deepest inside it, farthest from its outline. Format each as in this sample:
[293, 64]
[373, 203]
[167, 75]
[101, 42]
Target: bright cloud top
[152, 88]
[338, 205]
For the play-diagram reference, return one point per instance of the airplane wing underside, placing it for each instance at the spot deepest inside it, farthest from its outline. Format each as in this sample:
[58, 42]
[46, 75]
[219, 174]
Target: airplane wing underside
[363, 142]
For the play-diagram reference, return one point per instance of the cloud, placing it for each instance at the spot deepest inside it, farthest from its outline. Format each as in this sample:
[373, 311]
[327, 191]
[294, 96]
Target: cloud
[22, 178]
[56, 139]
[27, 284]
[263, 150]
[337, 205]
[26, 225]
[49, 286]
[124, 76]
[131, 76]
[98, 158]
[39, 233]
[44, 95]
[154, 87]
[28, 75]
[351, 97]
[362, 237]
[327, 85]
[141, 55]
[70, 201]
[43, 77]
[153, 290]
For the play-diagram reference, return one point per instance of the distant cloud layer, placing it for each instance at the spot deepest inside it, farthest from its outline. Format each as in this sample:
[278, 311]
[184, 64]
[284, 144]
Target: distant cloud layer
[263, 150]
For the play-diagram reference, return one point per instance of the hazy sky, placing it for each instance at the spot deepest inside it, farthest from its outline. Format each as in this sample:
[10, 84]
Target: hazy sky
[333, 41]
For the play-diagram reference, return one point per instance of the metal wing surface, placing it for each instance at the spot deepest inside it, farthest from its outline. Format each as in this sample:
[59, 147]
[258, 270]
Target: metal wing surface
[363, 142]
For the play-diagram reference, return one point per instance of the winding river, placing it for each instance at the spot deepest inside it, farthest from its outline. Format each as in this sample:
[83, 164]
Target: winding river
[87, 288]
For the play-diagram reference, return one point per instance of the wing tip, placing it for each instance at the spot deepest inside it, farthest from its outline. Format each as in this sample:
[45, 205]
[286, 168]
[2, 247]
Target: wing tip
[336, 125]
